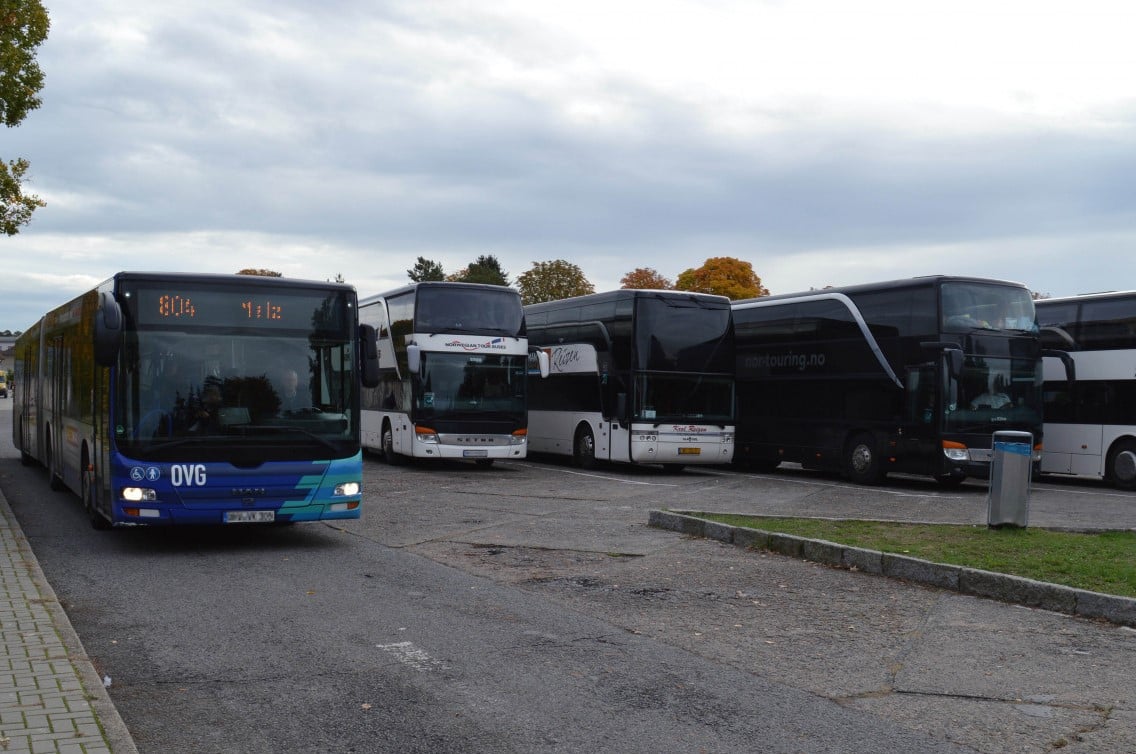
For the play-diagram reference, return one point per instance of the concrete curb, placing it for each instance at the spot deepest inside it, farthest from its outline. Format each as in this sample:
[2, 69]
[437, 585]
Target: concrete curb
[997, 586]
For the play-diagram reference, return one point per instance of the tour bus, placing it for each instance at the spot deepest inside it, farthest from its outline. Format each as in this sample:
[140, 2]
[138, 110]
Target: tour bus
[159, 399]
[636, 376]
[908, 376]
[452, 363]
[1090, 425]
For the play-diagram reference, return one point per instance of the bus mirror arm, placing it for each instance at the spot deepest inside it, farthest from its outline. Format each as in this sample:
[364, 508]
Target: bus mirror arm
[108, 330]
[954, 355]
[369, 356]
[1066, 359]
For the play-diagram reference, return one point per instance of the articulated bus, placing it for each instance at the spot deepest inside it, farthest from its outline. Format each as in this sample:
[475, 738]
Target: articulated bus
[161, 398]
[453, 383]
[908, 376]
[1090, 425]
[636, 376]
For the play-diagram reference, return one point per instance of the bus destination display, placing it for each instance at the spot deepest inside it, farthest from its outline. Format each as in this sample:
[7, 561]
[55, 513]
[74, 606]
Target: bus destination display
[157, 306]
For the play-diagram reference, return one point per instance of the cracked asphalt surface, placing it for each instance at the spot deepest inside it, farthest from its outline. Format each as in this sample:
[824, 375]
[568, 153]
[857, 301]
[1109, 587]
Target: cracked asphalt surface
[988, 676]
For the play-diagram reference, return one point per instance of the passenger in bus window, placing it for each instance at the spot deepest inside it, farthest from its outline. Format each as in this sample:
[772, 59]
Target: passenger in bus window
[292, 398]
[995, 397]
[207, 412]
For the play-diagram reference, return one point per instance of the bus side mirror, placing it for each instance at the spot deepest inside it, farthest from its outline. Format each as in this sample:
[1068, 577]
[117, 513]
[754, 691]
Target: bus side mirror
[1067, 360]
[369, 356]
[954, 362]
[108, 330]
[542, 363]
[954, 355]
[413, 358]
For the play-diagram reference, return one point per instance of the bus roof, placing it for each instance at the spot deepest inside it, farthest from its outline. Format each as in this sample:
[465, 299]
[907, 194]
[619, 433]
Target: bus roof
[1102, 295]
[626, 293]
[435, 284]
[915, 282]
[228, 279]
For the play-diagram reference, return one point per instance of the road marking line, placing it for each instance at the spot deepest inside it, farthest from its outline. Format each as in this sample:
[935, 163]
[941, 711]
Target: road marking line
[412, 656]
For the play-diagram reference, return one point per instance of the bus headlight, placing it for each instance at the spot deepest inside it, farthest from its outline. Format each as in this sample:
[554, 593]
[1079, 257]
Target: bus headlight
[955, 451]
[347, 489]
[518, 437]
[425, 434]
[139, 494]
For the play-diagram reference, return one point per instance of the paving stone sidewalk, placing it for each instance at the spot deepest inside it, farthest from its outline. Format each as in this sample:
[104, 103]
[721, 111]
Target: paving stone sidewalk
[51, 697]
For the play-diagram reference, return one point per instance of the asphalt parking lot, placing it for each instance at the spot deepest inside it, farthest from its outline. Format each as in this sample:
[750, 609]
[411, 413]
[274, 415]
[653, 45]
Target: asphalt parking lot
[990, 676]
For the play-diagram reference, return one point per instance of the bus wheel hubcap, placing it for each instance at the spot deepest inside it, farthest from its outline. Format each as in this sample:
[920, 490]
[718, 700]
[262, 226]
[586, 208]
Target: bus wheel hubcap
[861, 458]
[1125, 466]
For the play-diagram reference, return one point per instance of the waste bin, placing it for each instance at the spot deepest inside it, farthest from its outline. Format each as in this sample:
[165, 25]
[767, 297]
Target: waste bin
[1007, 502]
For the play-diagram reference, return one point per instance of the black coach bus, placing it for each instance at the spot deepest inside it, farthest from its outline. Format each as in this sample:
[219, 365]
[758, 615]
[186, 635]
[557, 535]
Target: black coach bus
[909, 376]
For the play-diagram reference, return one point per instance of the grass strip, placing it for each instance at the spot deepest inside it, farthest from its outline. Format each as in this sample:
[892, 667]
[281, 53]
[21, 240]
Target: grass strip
[1100, 562]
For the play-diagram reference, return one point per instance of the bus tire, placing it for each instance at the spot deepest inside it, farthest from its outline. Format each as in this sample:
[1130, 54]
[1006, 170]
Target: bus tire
[98, 522]
[389, 455]
[862, 460]
[1121, 469]
[584, 447]
[54, 481]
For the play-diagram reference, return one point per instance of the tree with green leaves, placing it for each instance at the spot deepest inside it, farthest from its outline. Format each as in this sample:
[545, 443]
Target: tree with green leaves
[724, 276]
[551, 281]
[485, 269]
[23, 28]
[426, 269]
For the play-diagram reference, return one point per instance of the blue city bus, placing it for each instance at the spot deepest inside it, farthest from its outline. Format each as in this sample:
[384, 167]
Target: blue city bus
[163, 398]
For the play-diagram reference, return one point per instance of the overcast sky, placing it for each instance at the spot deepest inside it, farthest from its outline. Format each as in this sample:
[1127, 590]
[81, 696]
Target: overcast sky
[825, 142]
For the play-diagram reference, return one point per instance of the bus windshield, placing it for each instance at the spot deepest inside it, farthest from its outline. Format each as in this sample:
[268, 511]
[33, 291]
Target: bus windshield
[701, 343]
[456, 383]
[971, 306]
[188, 394]
[469, 310]
[683, 398]
[992, 391]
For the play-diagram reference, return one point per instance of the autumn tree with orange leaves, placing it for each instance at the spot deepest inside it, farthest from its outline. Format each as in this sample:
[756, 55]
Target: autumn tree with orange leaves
[645, 278]
[724, 276]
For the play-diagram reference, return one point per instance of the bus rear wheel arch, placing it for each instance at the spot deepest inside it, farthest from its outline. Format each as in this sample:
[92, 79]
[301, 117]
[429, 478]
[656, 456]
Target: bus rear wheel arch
[862, 460]
[389, 455]
[584, 447]
[89, 495]
[1121, 469]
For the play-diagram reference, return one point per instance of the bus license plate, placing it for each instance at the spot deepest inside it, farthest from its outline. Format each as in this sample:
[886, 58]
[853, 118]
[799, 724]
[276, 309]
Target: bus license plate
[250, 517]
[475, 453]
[689, 451]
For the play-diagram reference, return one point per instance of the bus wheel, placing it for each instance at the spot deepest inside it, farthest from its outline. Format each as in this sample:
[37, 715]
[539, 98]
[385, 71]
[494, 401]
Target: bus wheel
[1122, 465]
[862, 462]
[88, 494]
[388, 446]
[54, 481]
[584, 447]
